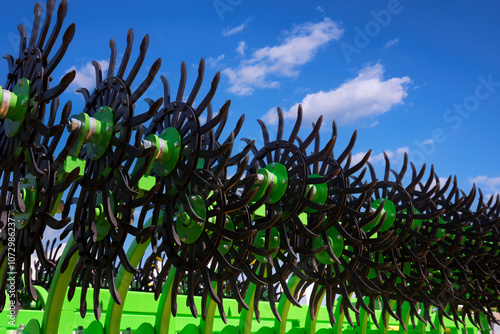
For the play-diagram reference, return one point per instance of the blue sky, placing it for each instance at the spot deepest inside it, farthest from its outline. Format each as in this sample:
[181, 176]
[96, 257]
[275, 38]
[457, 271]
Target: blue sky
[412, 76]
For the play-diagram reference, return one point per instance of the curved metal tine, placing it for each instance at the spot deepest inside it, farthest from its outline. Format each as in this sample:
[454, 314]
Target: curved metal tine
[146, 82]
[416, 180]
[296, 127]
[359, 165]
[272, 301]
[197, 85]
[208, 98]
[315, 167]
[138, 63]
[36, 23]
[42, 256]
[126, 54]
[279, 135]
[182, 82]
[318, 155]
[265, 136]
[49, 9]
[98, 79]
[238, 157]
[166, 93]
[143, 118]
[56, 59]
[212, 123]
[18, 200]
[190, 294]
[348, 149]
[60, 88]
[61, 14]
[22, 41]
[221, 125]
[312, 135]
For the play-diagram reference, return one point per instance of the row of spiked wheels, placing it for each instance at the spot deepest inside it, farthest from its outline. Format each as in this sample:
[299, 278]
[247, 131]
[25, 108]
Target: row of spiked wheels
[291, 217]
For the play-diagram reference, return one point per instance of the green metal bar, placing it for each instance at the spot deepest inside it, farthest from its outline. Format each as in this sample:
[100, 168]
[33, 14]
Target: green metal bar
[57, 292]
[122, 282]
[284, 307]
[310, 326]
[207, 325]
[246, 317]
[164, 312]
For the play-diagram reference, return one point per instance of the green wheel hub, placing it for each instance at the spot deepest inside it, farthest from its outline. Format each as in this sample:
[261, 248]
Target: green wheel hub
[319, 193]
[14, 106]
[28, 189]
[168, 151]
[274, 174]
[95, 132]
[102, 225]
[225, 244]
[187, 228]
[260, 242]
[390, 211]
[336, 243]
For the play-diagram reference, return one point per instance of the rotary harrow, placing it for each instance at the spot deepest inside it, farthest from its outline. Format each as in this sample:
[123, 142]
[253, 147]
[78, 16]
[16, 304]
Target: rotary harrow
[271, 239]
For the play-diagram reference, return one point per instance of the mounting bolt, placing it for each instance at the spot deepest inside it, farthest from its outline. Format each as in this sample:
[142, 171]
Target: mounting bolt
[393, 215]
[24, 103]
[21, 180]
[226, 246]
[273, 164]
[22, 221]
[20, 83]
[331, 260]
[12, 213]
[108, 128]
[193, 198]
[10, 133]
[183, 239]
[338, 237]
[176, 144]
[95, 156]
[200, 223]
[276, 238]
[32, 188]
[284, 181]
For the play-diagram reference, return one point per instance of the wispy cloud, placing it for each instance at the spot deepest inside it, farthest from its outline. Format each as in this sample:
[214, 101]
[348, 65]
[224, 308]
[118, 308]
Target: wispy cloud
[232, 31]
[392, 42]
[395, 156]
[213, 62]
[85, 75]
[364, 96]
[490, 184]
[319, 8]
[242, 46]
[268, 64]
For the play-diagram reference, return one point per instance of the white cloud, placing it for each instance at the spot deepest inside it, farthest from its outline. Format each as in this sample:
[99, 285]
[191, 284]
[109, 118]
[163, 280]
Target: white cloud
[366, 96]
[85, 75]
[241, 48]
[213, 62]
[490, 184]
[395, 156]
[319, 8]
[232, 31]
[392, 42]
[283, 60]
